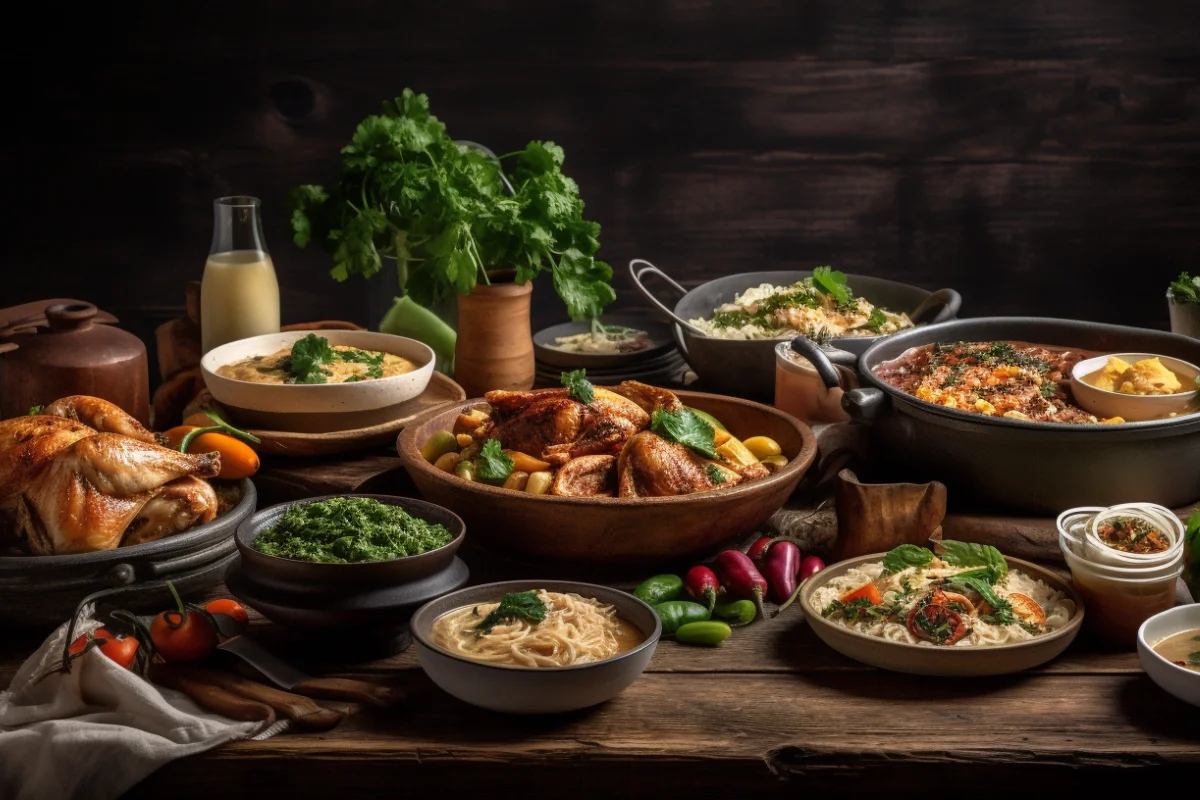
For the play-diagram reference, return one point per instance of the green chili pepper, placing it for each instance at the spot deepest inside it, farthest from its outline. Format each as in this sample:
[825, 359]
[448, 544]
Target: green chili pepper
[659, 589]
[709, 634]
[737, 613]
[676, 613]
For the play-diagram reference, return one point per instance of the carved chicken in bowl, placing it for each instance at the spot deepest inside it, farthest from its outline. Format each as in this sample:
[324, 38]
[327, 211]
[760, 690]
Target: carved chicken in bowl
[631, 473]
[82, 475]
[632, 440]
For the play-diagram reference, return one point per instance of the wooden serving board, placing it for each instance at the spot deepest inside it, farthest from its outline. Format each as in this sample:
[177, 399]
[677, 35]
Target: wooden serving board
[441, 390]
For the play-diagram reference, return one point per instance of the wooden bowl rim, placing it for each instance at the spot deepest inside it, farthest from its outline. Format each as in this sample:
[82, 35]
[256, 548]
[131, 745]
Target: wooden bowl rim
[1028, 567]
[409, 451]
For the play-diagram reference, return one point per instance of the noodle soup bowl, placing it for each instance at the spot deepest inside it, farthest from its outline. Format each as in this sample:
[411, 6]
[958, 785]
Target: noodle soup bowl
[534, 690]
[953, 661]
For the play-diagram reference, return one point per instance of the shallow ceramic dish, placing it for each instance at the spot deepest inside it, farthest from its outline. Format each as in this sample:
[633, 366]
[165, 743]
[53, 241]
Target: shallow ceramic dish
[1179, 681]
[942, 661]
[541, 690]
[610, 529]
[659, 334]
[1163, 519]
[317, 398]
[1135, 408]
[310, 576]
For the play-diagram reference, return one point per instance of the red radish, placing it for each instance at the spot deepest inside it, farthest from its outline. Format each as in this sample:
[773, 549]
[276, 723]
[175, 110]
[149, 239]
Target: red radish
[810, 566]
[759, 549]
[702, 585]
[740, 577]
[781, 568]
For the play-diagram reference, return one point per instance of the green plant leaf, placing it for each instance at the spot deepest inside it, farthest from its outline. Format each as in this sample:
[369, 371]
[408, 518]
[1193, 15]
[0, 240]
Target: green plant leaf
[971, 554]
[493, 465]
[578, 386]
[832, 283]
[685, 427]
[901, 558]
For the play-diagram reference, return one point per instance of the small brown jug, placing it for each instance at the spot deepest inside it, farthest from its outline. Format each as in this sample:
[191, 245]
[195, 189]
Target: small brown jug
[67, 353]
[494, 349]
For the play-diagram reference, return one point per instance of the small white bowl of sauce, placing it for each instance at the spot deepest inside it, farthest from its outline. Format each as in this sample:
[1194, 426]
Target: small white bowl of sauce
[1143, 399]
[1169, 648]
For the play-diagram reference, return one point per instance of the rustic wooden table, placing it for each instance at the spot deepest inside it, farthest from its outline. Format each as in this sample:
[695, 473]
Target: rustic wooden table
[772, 711]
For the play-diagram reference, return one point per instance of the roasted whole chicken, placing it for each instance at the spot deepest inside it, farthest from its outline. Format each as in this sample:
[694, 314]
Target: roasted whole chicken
[606, 448]
[83, 476]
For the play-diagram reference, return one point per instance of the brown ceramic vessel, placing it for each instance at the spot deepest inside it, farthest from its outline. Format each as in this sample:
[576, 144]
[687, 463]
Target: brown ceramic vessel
[494, 349]
[611, 530]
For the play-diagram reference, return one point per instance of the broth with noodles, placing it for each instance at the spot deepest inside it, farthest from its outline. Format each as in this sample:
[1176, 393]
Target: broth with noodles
[574, 630]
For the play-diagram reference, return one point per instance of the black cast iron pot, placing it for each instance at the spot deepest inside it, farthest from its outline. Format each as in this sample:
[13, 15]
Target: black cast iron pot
[42, 591]
[1015, 465]
[746, 367]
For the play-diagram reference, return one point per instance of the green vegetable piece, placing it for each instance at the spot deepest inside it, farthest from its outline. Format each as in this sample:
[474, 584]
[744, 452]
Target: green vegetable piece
[465, 470]
[906, 555]
[35, 410]
[308, 359]
[493, 466]
[1193, 659]
[876, 321]
[676, 613]
[406, 318]
[349, 530]
[1185, 289]
[578, 386]
[514, 606]
[737, 613]
[707, 634]
[1001, 608]
[686, 428]
[833, 283]
[970, 554]
[707, 417]
[715, 473]
[659, 589]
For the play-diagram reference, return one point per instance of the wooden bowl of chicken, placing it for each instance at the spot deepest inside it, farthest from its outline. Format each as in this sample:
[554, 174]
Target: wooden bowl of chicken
[626, 464]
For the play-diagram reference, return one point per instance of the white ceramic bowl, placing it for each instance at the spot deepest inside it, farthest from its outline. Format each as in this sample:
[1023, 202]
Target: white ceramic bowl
[1132, 407]
[1179, 681]
[534, 690]
[318, 398]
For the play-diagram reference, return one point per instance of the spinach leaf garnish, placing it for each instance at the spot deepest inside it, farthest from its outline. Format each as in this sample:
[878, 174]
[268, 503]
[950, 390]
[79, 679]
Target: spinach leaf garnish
[514, 606]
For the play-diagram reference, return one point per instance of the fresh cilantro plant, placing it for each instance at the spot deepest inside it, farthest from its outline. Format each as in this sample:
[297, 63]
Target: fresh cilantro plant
[578, 386]
[406, 189]
[493, 464]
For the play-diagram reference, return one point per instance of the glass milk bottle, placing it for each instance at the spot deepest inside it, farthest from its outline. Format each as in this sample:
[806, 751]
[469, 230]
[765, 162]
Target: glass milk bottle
[239, 296]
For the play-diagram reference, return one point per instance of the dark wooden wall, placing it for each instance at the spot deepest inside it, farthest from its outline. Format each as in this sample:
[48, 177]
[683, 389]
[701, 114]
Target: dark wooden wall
[1041, 157]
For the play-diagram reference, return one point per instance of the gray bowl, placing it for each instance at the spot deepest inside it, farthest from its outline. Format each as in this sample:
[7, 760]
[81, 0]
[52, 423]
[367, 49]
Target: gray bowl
[524, 690]
[753, 376]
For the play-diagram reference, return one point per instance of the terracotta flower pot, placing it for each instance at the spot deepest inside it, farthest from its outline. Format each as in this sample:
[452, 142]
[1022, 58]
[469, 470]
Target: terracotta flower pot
[495, 345]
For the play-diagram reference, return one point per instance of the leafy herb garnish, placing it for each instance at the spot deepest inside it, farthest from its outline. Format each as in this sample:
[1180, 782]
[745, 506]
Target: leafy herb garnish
[715, 473]
[35, 410]
[1185, 289]
[493, 465]
[406, 189]
[578, 386]
[970, 554]
[905, 556]
[876, 321]
[686, 428]
[1193, 659]
[514, 606]
[832, 283]
[309, 356]
[1001, 608]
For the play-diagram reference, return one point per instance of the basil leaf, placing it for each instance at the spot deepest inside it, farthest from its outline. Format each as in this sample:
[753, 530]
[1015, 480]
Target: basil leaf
[970, 554]
[833, 283]
[685, 427]
[905, 556]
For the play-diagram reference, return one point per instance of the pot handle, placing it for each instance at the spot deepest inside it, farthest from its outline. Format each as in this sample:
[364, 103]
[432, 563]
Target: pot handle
[639, 267]
[823, 358]
[941, 306]
[864, 405]
[165, 569]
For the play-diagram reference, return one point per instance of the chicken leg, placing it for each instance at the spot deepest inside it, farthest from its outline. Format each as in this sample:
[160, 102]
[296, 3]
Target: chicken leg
[99, 415]
[180, 505]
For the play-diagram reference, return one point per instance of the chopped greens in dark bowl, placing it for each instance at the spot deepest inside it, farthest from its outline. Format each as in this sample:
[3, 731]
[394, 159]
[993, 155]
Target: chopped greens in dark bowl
[357, 541]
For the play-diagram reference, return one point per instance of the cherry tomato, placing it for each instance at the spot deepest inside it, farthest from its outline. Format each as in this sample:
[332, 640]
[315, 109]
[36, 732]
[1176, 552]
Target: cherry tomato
[122, 650]
[230, 608]
[180, 636]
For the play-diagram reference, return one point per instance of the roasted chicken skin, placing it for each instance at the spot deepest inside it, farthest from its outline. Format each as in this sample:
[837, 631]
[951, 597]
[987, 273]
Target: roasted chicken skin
[650, 466]
[586, 476]
[181, 504]
[65, 488]
[548, 424]
[100, 415]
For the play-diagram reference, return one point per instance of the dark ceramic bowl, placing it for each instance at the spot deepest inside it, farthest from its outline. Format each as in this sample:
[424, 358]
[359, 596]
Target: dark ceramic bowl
[544, 690]
[746, 367]
[307, 577]
[42, 591]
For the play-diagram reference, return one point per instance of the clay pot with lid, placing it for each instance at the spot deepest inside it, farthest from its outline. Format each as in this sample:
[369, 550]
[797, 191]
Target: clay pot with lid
[69, 351]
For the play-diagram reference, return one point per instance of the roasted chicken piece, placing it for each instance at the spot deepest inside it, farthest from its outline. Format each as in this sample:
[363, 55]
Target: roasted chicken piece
[100, 415]
[649, 398]
[549, 425]
[650, 466]
[587, 476]
[181, 504]
[65, 488]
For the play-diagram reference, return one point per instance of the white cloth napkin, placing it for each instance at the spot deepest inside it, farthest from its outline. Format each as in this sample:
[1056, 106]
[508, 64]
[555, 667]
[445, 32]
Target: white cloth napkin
[98, 730]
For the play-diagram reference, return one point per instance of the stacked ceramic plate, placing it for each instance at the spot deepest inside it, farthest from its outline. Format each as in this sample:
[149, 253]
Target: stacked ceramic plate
[656, 361]
[1125, 561]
